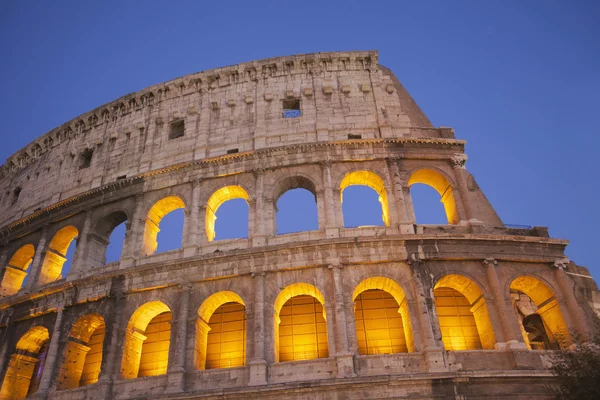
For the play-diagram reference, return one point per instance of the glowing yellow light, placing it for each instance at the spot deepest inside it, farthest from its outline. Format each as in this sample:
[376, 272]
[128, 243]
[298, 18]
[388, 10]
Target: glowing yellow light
[22, 364]
[15, 271]
[442, 186]
[548, 307]
[372, 180]
[83, 354]
[216, 200]
[147, 341]
[379, 324]
[155, 215]
[56, 255]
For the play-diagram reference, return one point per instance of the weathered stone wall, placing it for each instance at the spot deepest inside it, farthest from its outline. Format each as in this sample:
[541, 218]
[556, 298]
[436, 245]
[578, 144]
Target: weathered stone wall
[240, 108]
[237, 107]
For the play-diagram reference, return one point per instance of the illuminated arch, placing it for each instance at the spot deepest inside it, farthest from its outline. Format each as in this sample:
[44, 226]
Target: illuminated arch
[216, 200]
[22, 365]
[221, 321]
[33, 340]
[148, 325]
[548, 308]
[155, 215]
[56, 254]
[463, 314]
[396, 338]
[16, 270]
[372, 180]
[310, 341]
[83, 353]
[437, 181]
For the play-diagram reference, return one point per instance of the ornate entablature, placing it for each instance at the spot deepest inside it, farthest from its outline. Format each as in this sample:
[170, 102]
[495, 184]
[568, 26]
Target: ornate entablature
[334, 311]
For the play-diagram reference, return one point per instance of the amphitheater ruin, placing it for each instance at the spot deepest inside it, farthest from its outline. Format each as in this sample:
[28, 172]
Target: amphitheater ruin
[469, 309]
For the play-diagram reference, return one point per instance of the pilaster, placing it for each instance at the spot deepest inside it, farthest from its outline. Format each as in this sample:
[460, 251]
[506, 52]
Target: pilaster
[258, 364]
[509, 336]
[51, 357]
[176, 370]
[191, 222]
[575, 313]
[344, 357]
[38, 259]
[81, 248]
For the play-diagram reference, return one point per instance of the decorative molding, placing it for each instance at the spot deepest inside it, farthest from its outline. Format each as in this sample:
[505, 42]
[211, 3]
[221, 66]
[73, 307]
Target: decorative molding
[459, 160]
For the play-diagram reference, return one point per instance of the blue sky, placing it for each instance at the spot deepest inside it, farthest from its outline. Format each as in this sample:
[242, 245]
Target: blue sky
[518, 80]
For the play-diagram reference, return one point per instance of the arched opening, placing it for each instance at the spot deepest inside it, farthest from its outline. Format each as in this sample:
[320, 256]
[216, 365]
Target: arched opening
[147, 340]
[16, 270]
[532, 297]
[229, 195]
[355, 210]
[441, 185]
[83, 353]
[221, 332]
[116, 240]
[427, 206]
[25, 366]
[382, 317]
[463, 315]
[300, 324]
[295, 202]
[106, 242]
[173, 225]
[58, 259]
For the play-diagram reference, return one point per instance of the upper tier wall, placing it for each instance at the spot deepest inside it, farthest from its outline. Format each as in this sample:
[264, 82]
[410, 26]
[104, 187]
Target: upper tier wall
[232, 109]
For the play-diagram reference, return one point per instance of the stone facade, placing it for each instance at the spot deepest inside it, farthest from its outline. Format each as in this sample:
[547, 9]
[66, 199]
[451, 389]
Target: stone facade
[198, 141]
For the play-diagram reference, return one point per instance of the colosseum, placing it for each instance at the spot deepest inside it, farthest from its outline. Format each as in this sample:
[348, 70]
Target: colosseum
[469, 309]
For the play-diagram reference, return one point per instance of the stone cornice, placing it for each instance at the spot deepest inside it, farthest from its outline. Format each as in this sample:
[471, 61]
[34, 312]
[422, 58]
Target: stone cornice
[247, 260]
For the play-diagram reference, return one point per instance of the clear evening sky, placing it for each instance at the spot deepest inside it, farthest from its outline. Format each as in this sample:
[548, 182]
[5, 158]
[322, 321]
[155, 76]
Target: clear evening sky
[519, 80]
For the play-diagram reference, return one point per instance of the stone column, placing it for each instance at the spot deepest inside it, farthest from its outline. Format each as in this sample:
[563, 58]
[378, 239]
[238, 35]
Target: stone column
[460, 172]
[115, 336]
[344, 357]
[192, 222]
[337, 206]
[258, 364]
[511, 335]
[176, 378]
[134, 236]
[258, 235]
[38, 259]
[81, 249]
[51, 357]
[3, 262]
[251, 218]
[331, 223]
[576, 314]
[3, 271]
[114, 330]
[428, 323]
[404, 222]
[5, 318]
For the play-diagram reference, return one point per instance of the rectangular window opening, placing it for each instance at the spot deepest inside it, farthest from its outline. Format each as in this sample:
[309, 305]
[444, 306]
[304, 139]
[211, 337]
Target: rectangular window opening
[85, 160]
[351, 136]
[121, 177]
[233, 151]
[16, 194]
[177, 129]
[291, 108]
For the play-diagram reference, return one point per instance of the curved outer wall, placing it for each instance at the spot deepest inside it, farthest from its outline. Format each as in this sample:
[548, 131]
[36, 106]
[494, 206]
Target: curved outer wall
[185, 139]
